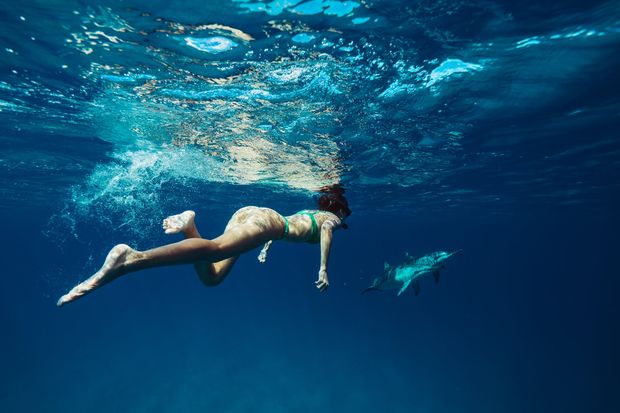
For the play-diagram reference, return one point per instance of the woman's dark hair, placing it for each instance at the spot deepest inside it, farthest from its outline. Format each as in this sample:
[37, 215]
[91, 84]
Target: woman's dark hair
[333, 200]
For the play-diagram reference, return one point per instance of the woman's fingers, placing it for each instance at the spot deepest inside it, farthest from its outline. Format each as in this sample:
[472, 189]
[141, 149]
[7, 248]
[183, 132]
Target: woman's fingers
[321, 285]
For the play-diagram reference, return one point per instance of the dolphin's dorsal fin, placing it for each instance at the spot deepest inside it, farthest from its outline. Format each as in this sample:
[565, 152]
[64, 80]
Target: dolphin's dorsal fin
[436, 276]
[386, 266]
[416, 287]
[404, 287]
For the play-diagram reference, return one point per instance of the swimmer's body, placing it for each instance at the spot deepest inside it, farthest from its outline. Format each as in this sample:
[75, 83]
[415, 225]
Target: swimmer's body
[247, 229]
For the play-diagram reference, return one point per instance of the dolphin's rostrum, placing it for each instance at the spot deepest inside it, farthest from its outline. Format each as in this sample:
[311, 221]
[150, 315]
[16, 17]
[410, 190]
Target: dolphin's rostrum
[410, 272]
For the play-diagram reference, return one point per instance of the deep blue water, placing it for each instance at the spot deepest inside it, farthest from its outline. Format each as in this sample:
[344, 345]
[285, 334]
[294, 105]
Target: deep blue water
[486, 126]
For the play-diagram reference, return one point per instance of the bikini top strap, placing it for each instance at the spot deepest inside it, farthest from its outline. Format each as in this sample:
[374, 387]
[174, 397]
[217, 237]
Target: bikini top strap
[314, 232]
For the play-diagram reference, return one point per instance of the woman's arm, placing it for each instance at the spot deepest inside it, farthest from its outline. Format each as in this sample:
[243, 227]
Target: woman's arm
[326, 242]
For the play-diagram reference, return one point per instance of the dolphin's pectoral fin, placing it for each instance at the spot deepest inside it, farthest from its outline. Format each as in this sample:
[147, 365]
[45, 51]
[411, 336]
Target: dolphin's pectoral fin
[416, 287]
[370, 289]
[436, 276]
[404, 287]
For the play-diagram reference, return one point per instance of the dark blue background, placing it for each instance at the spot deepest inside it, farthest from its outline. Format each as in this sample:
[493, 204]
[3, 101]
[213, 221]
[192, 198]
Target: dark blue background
[525, 319]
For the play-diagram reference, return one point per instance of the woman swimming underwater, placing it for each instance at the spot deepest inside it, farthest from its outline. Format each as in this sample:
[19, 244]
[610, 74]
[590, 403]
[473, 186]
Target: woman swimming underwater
[213, 259]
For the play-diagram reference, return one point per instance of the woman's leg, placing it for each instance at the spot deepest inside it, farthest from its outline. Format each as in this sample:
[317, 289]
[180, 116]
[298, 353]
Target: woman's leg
[121, 260]
[211, 274]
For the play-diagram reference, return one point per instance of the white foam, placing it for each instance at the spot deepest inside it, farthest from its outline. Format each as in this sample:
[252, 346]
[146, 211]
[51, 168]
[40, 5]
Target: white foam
[527, 42]
[360, 20]
[450, 67]
[574, 34]
[307, 8]
[303, 38]
[215, 44]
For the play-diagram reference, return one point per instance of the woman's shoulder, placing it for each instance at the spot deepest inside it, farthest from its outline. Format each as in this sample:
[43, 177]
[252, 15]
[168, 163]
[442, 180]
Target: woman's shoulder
[331, 217]
[322, 215]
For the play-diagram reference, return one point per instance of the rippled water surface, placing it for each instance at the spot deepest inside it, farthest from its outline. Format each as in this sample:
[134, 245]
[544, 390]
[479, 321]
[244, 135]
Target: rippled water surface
[427, 104]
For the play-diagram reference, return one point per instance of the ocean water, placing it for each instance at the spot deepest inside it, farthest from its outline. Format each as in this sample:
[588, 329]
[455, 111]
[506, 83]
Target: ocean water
[486, 126]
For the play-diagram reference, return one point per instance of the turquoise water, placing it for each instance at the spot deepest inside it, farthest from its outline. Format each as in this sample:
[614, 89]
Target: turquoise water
[490, 127]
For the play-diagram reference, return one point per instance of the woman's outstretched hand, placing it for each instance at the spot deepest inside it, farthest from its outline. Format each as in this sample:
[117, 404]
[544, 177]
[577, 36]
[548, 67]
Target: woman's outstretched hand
[322, 283]
[263, 253]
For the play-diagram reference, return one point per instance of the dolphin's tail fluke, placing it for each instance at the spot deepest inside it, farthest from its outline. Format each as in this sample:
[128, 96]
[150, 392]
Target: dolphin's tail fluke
[370, 289]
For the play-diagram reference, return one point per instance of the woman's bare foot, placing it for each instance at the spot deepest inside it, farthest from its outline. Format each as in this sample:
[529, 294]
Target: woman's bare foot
[182, 222]
[108, 272]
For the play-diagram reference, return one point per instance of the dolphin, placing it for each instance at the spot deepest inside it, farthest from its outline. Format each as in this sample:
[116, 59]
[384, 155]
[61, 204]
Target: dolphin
[410, 272]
